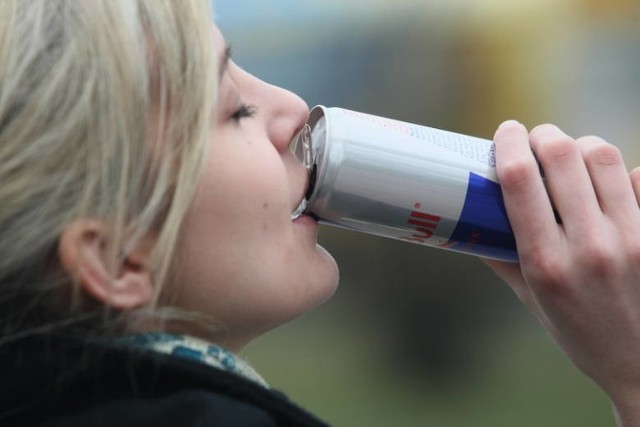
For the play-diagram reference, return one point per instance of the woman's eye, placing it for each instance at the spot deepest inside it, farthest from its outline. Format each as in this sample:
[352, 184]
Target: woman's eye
[245, 111]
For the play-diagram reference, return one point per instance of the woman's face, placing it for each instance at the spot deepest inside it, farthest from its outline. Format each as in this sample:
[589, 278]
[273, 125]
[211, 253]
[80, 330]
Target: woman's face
[242, 259]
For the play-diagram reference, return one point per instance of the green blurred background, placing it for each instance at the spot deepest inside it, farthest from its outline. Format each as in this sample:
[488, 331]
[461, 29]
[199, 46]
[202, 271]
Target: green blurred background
[417, 336]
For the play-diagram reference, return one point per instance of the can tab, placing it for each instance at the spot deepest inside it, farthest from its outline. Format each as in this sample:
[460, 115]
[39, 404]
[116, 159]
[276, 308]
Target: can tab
[302, 150]
[301, 147]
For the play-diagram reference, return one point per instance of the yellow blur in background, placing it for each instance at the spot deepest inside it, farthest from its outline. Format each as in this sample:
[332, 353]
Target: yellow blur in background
[418, 336]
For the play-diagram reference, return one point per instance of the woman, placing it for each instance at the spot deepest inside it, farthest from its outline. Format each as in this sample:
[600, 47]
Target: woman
[147, 190]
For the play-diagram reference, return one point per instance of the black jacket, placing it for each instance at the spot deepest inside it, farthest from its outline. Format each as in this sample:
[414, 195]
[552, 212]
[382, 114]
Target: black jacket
[62, 382]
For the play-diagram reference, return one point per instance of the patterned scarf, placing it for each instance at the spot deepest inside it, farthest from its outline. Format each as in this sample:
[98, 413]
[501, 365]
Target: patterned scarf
[195, 349]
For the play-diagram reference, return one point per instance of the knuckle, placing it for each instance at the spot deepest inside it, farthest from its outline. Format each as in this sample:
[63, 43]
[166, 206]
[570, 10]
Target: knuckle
[555, 148]
[543, 130]
[515, 174]
[510, 125]
[548, 274]
[633, 252]
[599, 260]
[600, 153]
[603, 258]
[591, 140]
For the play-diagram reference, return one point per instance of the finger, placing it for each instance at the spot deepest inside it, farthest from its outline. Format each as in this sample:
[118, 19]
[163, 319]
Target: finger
[525, 197]
[609, 177]
[567, 179]
[635, 182]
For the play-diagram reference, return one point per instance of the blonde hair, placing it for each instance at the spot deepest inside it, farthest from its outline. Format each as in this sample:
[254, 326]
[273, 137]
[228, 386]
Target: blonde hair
[105, 109]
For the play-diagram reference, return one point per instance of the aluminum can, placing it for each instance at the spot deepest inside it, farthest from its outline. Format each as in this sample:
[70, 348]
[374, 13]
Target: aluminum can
[404, 181]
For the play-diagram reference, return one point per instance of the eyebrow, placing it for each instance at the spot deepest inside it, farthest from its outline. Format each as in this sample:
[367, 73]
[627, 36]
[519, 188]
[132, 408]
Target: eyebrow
[225, 61]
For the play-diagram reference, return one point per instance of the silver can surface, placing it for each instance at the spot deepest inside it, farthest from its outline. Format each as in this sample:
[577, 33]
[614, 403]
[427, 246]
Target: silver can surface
[408, 182]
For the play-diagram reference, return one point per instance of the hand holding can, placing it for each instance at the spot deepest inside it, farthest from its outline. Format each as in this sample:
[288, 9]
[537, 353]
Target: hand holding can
[580, 278]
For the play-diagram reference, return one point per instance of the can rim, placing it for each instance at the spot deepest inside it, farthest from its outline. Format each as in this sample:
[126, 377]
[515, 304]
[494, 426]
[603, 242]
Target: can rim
[319, 153]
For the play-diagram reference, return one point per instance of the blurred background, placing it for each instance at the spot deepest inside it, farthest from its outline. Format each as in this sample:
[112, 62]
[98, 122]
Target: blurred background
[417, 336]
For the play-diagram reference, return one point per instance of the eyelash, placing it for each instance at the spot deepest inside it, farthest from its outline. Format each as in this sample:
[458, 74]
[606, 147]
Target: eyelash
[243, 112]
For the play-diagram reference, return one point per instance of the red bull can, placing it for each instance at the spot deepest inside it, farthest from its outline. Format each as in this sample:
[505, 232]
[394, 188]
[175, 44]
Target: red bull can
[404, 181]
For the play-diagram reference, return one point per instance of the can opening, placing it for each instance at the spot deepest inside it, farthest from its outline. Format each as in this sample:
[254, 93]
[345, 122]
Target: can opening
[312, 181]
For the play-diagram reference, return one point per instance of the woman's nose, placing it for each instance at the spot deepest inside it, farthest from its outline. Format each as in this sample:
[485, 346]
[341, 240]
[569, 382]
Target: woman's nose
[286, 113]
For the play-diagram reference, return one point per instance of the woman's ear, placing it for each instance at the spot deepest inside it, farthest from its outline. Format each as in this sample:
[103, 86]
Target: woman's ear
[83, 250]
